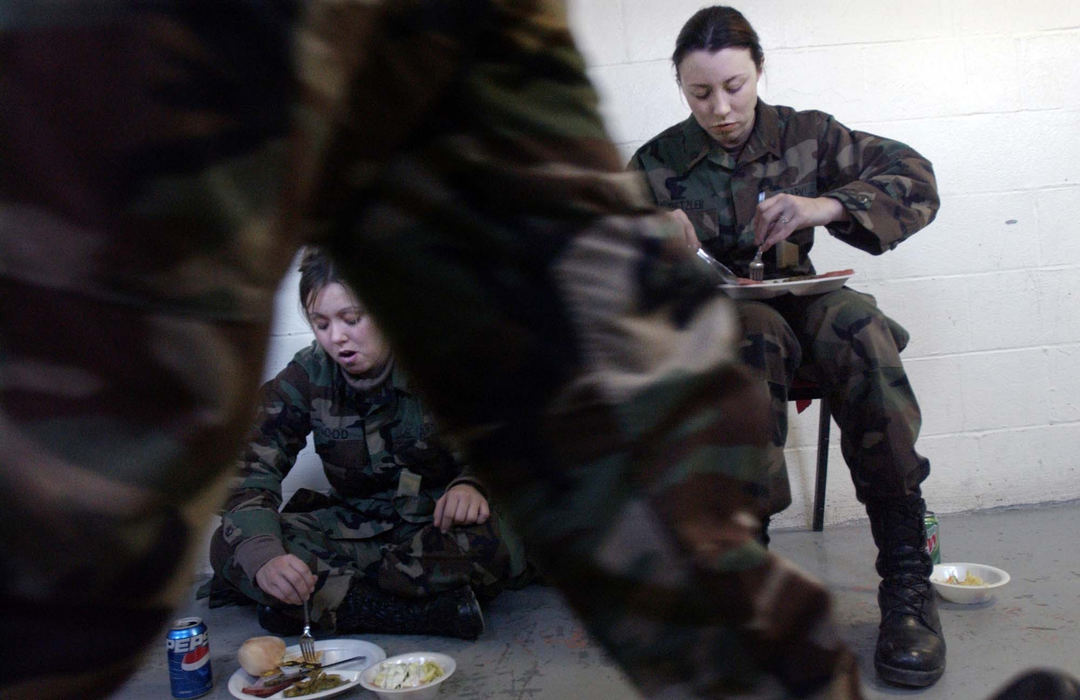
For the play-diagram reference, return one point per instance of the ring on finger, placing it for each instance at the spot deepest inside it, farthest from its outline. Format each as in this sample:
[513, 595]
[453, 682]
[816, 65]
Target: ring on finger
[784, 220]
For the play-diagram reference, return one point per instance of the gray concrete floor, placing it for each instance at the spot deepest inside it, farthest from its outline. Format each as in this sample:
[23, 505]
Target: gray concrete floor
[535, 649]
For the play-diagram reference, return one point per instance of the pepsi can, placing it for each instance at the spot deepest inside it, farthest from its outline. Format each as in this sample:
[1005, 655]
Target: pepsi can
[187, 646]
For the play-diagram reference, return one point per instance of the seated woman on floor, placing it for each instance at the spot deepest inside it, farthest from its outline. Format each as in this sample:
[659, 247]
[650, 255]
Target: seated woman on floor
[405, 540]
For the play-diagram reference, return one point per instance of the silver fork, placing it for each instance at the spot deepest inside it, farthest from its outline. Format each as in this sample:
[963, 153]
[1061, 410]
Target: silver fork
[307, 642]
[757, 268]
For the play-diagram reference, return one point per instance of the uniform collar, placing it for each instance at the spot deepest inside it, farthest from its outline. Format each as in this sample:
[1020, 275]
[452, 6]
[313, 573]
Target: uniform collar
[375, 380]
[764, 139]
[697, 143]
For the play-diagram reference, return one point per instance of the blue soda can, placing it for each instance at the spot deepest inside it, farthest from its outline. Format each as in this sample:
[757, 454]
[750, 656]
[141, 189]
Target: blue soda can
[187, 646]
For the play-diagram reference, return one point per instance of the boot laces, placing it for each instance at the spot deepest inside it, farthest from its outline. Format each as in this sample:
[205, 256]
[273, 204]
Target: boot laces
[906, 594]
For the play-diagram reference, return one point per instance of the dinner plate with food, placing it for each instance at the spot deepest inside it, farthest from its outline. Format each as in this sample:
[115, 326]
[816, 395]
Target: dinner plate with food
[270, 669]
[799, 286]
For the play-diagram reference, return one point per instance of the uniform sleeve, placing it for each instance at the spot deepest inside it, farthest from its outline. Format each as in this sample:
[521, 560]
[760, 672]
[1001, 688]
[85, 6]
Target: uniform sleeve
[250, 522]
[888, 189]
[460, 470]
[637, 165]
[469, 476]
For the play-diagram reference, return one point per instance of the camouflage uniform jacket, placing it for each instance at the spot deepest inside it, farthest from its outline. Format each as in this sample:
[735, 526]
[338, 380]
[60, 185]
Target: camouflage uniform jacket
[370, 442]
[887, 188]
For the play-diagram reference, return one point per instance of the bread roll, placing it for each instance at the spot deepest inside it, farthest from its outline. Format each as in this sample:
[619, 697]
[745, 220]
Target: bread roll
[261, 654]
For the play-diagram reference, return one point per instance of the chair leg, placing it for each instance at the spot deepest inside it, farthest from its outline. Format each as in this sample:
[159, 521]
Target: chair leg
[822, 464]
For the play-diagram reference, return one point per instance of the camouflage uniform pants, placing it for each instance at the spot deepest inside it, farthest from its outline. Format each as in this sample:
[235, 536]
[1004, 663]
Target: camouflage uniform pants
[631, 474]
[563, 337]
[844, 342]
[412, 560]
[138, 269]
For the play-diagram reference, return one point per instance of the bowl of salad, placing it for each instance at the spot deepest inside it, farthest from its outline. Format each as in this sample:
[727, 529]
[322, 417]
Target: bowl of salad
[416, 675]
[966, 583]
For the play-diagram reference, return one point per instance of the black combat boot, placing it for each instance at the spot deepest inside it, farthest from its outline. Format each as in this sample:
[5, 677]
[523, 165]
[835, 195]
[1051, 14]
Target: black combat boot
[282, 621]
[369, 609]
[910, 647]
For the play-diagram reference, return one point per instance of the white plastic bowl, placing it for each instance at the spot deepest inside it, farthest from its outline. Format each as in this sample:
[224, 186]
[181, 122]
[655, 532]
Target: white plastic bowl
[423, 692]
[993, 578]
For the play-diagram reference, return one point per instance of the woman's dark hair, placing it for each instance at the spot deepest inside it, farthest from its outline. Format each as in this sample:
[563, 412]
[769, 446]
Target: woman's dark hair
[714, 28]
[317, 270]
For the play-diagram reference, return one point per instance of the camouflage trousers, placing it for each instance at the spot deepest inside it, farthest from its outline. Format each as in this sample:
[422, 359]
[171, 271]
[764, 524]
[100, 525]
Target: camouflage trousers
[842, 341]
[632, 464]
[566, 339]
[412, 560]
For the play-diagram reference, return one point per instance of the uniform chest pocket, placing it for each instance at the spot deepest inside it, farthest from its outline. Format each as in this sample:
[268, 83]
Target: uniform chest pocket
[704, 213]
[800, 189]
[341, 444]
[326, 434]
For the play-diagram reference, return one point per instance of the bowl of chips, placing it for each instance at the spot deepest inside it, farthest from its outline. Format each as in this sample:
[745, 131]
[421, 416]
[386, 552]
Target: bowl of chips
[967, 583]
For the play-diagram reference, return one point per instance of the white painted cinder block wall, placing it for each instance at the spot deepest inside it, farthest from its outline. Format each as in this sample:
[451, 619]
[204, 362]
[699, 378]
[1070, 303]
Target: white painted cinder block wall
[989, 90]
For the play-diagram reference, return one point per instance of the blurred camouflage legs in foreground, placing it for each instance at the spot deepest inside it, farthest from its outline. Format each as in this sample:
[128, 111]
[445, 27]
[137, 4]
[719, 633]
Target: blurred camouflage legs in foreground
[451, 155]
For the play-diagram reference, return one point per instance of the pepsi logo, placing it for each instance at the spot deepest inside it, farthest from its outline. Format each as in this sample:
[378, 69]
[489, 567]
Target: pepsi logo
[196, 658]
